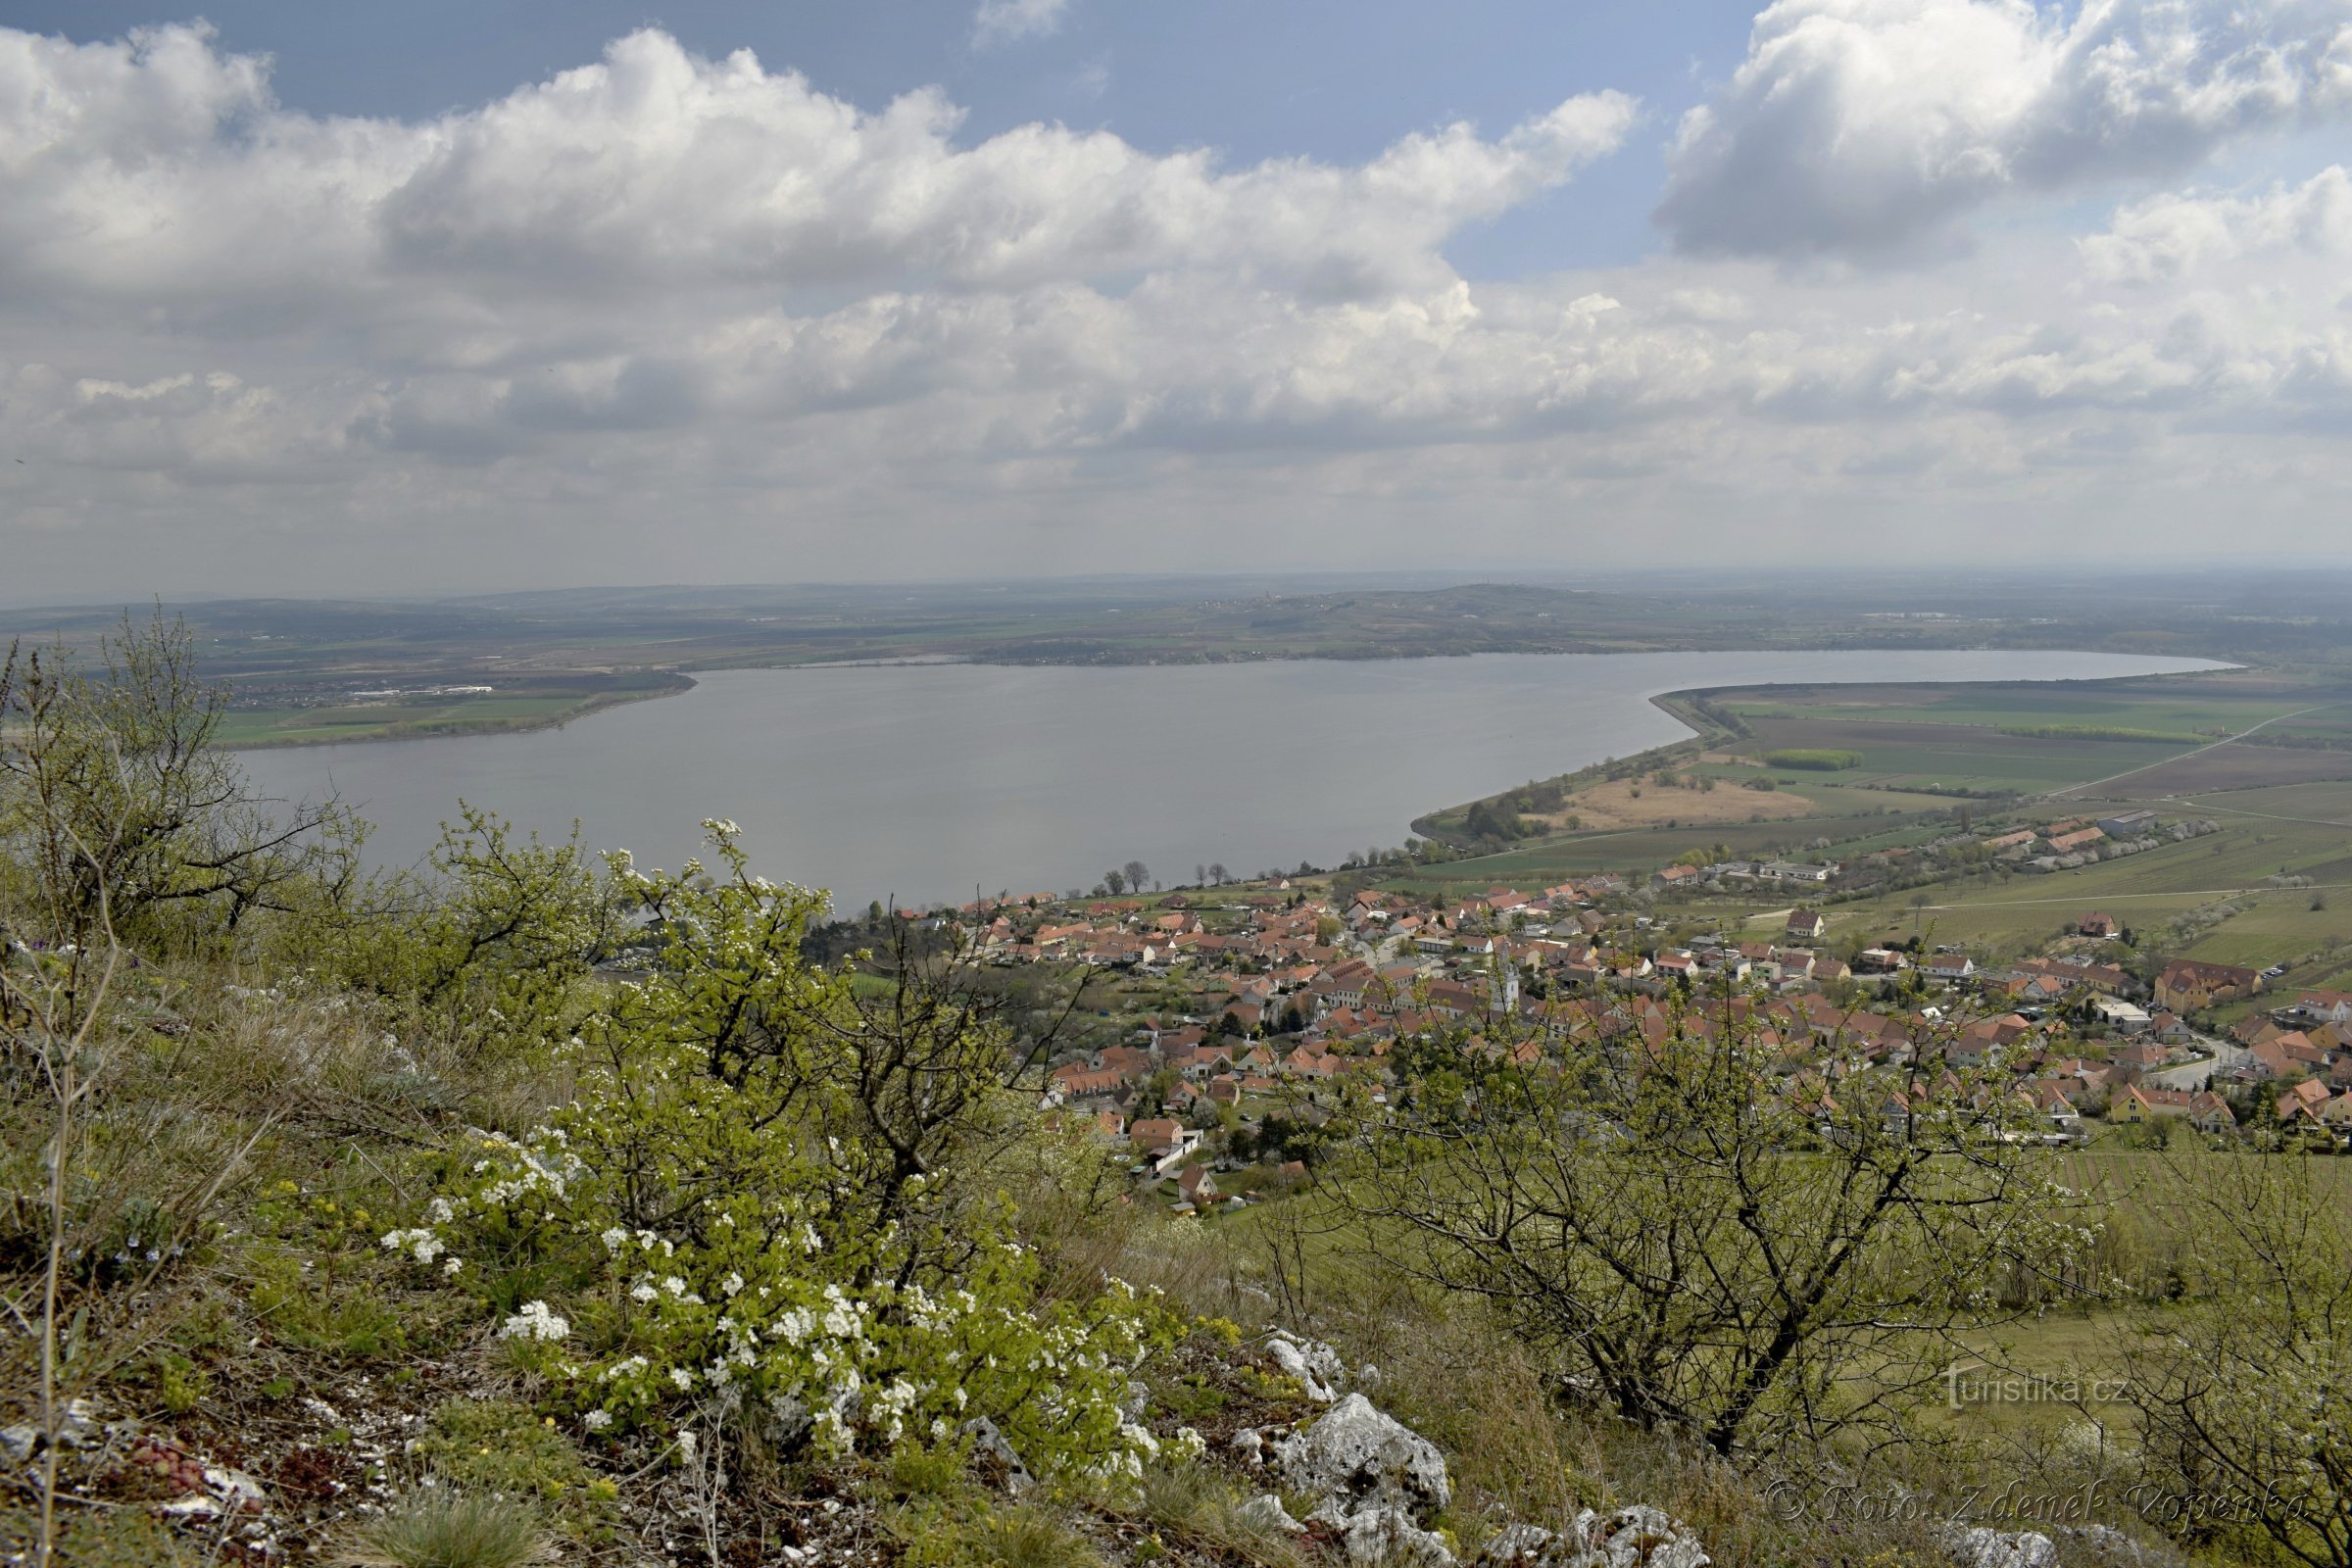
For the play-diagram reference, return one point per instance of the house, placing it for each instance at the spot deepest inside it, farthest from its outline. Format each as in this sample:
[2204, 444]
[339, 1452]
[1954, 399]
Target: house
[1792, 871]
[2074, 843]
[2097, 923]
[2188, 984]
[2210, 1115]
[1163, 1142]
[1949, 966]
[1806, 925]
[2303, 1102]
[2330, 1007]
[2123, 1017]
[1196, 1186]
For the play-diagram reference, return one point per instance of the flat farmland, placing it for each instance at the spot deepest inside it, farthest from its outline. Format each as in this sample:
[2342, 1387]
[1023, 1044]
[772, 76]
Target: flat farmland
[2240, 768]
[2218, 704]
[2317, 804]
[1960, 756]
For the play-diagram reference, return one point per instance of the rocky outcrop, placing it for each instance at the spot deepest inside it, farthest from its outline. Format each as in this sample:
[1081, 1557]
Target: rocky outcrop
[1356, 1458]
[1631, 1537]
[1317, 1367]
[1984, 1548]
[1374, 1537]
[1267, 1512]
[1375, 1482]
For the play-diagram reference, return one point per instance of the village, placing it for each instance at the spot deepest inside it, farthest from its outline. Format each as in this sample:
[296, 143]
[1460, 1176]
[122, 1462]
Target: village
[1244, 1013]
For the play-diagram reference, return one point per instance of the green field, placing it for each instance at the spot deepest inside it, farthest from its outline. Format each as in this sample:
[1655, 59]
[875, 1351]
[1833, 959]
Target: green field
[2021, 753]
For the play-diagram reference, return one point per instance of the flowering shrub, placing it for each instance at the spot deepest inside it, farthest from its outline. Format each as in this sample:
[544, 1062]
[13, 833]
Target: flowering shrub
[725, 1218]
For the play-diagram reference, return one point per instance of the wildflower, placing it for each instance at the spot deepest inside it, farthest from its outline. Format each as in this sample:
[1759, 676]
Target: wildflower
[596, 1420]
[536, 1321]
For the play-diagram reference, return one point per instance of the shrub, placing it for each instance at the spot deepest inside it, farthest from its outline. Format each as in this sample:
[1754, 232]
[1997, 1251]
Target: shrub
[1813, 760]
[2102, 732]
[769, 1194]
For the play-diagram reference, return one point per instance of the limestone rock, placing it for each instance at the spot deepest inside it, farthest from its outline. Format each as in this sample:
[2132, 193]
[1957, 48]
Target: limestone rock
[1267, 1512]
[1317, 1367]
[1383, 1537]
[1356, 1458]
[989, 1445]
[1640, 1536]
[1984, 1548]
[1516, 1547]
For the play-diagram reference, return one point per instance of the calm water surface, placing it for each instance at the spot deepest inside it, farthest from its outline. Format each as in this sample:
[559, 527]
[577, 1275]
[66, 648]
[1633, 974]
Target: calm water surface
[928, 782]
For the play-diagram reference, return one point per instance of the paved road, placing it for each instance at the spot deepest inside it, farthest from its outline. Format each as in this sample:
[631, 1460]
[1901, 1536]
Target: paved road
[2222, 1055]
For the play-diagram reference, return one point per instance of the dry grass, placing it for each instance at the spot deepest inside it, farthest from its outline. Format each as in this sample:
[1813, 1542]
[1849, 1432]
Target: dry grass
[1613, 804]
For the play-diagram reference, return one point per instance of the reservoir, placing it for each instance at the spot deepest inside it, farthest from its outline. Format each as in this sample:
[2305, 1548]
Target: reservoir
[927, 782]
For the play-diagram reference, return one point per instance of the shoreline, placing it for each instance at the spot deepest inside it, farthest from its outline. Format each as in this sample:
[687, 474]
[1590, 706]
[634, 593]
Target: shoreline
[683, 681]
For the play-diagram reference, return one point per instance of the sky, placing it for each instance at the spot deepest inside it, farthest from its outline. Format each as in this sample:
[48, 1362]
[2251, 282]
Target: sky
[309, 297]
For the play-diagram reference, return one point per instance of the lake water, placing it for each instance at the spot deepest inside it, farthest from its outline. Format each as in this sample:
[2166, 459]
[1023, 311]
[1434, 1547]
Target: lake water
[927, 782]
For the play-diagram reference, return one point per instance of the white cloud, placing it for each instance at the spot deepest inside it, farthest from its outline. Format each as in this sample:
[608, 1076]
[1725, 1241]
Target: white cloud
[2181, 233]
[1004, 20]
[687, 317]
[654, 169]
[1870, 126]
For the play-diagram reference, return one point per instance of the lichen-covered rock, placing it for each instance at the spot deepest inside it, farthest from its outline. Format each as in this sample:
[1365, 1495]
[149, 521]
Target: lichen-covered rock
[1516, 1547]
[1267, 1512]
[2109, 1548]
[1317, 1366]
[1640, 1536]
[993, 1452]
[1356, 1458]
[1385, 1537]
[1984, 1548]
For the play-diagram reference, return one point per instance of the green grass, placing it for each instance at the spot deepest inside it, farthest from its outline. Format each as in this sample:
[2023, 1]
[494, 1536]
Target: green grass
[438, 1528]
[281, 726]
[2145, 891]
[2203, 704]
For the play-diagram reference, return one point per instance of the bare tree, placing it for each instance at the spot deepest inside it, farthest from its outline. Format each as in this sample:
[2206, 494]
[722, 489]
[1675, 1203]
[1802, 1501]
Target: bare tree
[2245, 1430]
[111, 780]
[1703, 1246]
[1137, 874]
